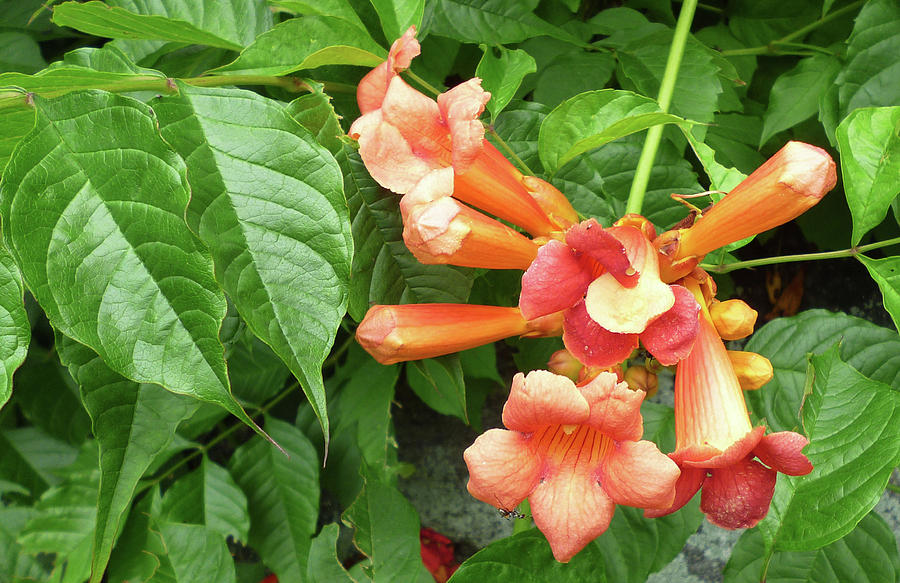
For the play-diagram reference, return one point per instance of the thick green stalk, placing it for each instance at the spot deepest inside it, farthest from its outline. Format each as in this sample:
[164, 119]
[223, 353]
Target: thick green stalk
[851, 252]
[666, 89]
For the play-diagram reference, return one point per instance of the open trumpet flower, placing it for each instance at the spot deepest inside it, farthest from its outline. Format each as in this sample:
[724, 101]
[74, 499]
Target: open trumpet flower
[574, 452]
[716, 443]
[607, 281]
[404, 135]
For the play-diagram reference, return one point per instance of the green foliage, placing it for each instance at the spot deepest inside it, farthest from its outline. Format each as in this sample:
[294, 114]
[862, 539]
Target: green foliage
[189, 236]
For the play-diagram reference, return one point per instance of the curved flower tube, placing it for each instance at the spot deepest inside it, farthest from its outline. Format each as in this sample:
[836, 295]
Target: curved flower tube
[784, 187]
[715, 442]
[394, 334]
[607, 281]
[575, 453]
[403, 135]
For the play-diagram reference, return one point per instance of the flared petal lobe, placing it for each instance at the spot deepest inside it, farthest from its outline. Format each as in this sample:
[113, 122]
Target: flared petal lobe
[371, 89]
[593, 344]
[543, 398]
[782, 452]
[502, 469]
[556, 280]
[670, 337]
[615, 410]
[738, 496]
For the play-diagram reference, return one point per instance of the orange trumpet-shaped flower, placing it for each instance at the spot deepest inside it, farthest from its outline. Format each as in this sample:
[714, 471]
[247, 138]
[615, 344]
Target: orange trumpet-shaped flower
[607, 281]
[575, 453]
[716, 443]
[403, 135]
[783, 188]
[415, 331]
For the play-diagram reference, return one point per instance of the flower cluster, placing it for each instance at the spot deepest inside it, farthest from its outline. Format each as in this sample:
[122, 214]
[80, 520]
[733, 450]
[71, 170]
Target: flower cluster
[572, 444]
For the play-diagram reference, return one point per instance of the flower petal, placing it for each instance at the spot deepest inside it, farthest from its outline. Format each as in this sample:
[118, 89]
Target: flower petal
[670, 337]
[542, 293]
[591, 343]
[781, 452]
[615, 409]
[627, 310]
[602, 246]
[636, 473]
[502, 470]
[419, 120]
[738, 496]
[460, 108]
[707, 456]
[371, 89]
[686, 486]
[571, 509]
[543, 398]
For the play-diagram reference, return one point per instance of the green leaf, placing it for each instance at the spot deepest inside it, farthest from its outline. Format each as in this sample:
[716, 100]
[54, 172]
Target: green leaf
[291, 219]
[316, 113]
[698, 86]
[659, 425]
[795, 94]
[519, 127]
[337, 8]
[387, 532]
[99, 19]
[384, 271]
[105, 250]
[256, 372]
[19, 52]
[208, 496]
[16, 330]
[236, 21]
[758, 22]
[197, 553]
[735, 139]
[869, 142]
[32, 459]
[501, 21]
[886, 273]
[49, 399]
[132, 422]
[283, 496]
[871, 76]
[398, 15]
[439, 383]
[720, 177]
[306, 43]
[572, 73]
[872, 350]
[140, 553]
[15, 123]
[853, 426]
[501, 71]
[867, 555]
[324, 565]
[15, 564]
[590, 120]
[63, 523]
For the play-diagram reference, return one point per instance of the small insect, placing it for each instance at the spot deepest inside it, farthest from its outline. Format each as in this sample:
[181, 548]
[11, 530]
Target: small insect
[507, 513]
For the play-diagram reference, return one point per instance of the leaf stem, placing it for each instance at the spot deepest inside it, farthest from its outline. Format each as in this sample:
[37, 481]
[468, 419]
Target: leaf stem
[772, 47]
[666, 90]
[425, 84]
[509, 150]
[851, 252]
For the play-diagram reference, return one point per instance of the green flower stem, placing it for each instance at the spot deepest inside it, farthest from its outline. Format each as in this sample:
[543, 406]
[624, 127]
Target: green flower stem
[12, 99]
[772, 47]
[851, 252]
[423, 83]
[666, 89]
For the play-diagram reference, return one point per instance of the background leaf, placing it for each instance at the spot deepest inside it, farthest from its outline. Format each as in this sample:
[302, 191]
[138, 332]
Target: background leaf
[853, 426]
[324, 565]
[439, 383]
[197, 553]
[501, 72]
[398, 15]
[138, 290]
[290, 219]
[502, 21]
[869, 142]
[16, 330]
[886, 273]
[283, 496]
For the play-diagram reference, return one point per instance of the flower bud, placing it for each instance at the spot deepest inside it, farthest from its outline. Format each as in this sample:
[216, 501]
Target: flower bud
[753, 370]
[641, 379]
[563, 363]
[733, 319]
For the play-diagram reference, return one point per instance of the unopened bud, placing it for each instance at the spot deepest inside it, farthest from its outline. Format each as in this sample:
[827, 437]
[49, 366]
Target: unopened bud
[752, 370]
[563, 363]
[641, 379]
[733, 319]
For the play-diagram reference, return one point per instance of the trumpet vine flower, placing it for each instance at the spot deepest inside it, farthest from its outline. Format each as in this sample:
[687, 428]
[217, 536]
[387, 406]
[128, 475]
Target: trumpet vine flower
[607, 281]
[574, 452]
[715, 441]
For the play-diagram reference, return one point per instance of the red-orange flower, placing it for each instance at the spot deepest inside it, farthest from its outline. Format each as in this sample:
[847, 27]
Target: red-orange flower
[716, 443]
[437, 554]
[415, 331]
[404, 135]
[607, 281]
[575, 453]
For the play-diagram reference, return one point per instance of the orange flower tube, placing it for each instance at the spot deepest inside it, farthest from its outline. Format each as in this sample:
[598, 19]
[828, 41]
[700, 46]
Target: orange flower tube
[394, 334]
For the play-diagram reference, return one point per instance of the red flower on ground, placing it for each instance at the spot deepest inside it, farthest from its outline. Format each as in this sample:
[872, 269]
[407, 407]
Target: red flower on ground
[437, 554]
[574, 452]
[715, 442]
[607, 281]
